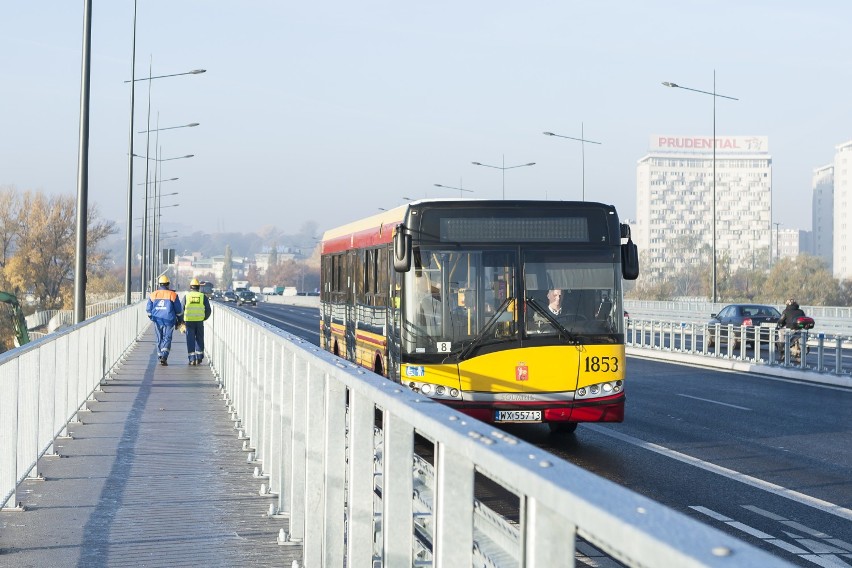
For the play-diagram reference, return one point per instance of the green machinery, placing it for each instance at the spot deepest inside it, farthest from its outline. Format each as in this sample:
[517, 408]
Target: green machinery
[22, 335]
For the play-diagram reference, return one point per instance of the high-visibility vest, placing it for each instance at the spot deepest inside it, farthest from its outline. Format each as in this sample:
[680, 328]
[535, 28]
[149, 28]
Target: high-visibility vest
[194, 308]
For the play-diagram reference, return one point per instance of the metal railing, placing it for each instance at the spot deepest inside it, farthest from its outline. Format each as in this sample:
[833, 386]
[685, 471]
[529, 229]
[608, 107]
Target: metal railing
[335, 445]
[45, 382]
[824, 353]
[829, 319]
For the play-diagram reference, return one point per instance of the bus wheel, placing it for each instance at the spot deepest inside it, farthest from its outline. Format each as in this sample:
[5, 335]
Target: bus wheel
[562, 427]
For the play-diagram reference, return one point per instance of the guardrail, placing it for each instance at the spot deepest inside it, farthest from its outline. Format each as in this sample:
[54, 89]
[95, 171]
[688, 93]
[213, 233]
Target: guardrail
[45, 382]
[341, 451]
[826, 354]
[829, 319]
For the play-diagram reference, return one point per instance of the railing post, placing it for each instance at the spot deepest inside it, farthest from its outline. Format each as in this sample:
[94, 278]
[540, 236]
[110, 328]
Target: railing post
[838, 355]
[315, 387]
[360, 518]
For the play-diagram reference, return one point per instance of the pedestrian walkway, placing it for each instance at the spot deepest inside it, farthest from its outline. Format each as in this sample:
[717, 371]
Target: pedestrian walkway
[153, 475]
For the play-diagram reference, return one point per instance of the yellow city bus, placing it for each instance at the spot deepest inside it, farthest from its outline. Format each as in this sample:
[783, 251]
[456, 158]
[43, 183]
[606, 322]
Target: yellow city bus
[450, 298]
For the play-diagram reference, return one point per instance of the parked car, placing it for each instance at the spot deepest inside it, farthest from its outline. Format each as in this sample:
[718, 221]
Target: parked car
[229, 297]
[751, 316]
[246, 297]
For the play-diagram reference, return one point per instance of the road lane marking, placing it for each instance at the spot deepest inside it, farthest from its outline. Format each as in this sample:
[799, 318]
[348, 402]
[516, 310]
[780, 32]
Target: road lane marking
[822, 553]
[271, 319]
[825, 506]
[800, 527]
[713, 401]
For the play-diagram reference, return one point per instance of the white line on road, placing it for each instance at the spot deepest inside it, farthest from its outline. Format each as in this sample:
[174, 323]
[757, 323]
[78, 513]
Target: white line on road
[713, 401]
[285, 323]
[807, 500]
[823, 552]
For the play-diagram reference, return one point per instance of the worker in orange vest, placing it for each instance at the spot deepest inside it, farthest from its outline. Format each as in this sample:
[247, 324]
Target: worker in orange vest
[165, 310]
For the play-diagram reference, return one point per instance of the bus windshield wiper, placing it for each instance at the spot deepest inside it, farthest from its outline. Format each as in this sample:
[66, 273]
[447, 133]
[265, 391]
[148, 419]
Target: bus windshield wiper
[563, 331]
[465, 351]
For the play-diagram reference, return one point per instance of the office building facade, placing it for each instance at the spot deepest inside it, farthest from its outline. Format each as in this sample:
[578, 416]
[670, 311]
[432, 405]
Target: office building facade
[674, 205]
[842, 245]
[822, 214]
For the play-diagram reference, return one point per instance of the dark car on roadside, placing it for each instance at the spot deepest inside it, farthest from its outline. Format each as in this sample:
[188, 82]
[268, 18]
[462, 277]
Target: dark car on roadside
[753, 317]
[246, 297]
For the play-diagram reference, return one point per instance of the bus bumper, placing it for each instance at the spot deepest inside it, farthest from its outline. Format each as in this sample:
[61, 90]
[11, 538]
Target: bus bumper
[604, 409]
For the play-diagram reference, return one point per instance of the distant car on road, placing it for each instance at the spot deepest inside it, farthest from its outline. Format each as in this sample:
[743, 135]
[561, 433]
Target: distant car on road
[229, 297]
[246, 297]
[750, 316]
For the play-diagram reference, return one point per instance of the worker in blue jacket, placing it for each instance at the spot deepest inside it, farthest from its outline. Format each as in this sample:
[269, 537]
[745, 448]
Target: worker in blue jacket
[165, 310]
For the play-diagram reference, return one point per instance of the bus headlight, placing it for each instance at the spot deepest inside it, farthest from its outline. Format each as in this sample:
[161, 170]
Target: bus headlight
[600, 389]
[426, 389]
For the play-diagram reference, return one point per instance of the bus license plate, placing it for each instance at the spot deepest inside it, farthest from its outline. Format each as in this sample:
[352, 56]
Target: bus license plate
[517, 416]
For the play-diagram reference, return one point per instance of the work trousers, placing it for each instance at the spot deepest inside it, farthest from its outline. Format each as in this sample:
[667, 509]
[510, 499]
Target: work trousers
[164, 334]
[195, 340]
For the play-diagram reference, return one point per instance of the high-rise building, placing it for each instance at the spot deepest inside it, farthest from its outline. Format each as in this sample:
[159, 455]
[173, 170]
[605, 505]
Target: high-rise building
[842, 257]
[674, 205]
[822, 214]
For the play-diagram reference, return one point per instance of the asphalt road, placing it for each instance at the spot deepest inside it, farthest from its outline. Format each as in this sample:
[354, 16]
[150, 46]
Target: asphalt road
[766, 459]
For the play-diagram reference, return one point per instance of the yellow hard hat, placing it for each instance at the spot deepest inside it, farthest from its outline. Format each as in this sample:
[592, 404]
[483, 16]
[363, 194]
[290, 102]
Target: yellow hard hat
[164, 279]
[194, 282]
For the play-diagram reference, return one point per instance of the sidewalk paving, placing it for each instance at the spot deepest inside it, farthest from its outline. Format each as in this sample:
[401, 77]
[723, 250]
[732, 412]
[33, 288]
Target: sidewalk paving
[152, 476]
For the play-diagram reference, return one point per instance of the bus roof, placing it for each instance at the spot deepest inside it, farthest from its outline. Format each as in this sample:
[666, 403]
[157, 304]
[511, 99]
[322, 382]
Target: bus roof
[378, 229]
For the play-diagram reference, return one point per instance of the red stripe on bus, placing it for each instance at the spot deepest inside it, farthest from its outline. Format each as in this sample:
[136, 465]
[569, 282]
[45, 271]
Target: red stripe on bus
[369, 339]
[361, 239]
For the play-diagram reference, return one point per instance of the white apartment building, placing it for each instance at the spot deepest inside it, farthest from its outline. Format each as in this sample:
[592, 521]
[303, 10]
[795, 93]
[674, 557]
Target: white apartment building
[674, 205]
[822, 216]
[790, 243]
[842, 246]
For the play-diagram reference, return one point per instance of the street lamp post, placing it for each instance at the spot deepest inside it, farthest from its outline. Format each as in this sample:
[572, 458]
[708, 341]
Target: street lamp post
[133, 80]
[190, 125]
[129, 231]
[459, 188]
[159, 235]
[715, 95]
[582, 140]
[503, 168]
[157, 188]
[150, 256]
[83, 170]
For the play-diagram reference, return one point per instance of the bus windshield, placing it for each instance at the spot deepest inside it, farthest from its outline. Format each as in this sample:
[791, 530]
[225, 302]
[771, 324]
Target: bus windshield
[578, 289]
[452, 296]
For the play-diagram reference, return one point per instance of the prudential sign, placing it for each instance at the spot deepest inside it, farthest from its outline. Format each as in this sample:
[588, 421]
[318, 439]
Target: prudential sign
[702, 144]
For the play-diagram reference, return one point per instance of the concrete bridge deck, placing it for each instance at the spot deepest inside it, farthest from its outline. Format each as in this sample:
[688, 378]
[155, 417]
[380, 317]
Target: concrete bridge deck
[153, 475]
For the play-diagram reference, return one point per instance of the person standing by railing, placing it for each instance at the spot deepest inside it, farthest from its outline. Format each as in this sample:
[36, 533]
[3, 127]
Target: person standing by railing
[196, 311]
[165, 310]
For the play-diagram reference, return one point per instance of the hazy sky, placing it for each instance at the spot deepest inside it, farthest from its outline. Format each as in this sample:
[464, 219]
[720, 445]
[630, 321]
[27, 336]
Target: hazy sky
[327, 111]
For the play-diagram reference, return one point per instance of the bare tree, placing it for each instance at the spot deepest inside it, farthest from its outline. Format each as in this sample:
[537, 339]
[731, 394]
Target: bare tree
[45, 248]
